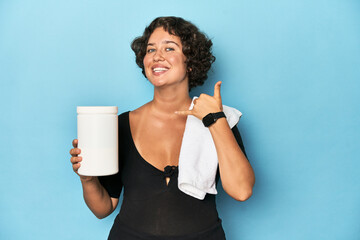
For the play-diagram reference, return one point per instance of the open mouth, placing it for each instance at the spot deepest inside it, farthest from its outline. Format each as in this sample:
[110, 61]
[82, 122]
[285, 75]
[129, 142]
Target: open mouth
[160, 70]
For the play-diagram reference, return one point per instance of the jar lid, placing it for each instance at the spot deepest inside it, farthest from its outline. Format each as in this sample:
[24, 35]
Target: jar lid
[98, 110]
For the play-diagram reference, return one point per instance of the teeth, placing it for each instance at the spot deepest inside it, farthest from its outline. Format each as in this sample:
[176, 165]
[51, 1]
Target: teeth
[160, 69]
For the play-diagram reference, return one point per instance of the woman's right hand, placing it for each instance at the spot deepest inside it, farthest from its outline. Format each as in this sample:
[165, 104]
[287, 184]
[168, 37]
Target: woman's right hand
[76, 159]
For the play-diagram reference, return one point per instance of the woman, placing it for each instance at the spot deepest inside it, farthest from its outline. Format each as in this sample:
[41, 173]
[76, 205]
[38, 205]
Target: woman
[174, 57]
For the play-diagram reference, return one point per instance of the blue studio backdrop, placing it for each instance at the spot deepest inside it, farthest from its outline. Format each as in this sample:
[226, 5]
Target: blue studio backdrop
[291, 67]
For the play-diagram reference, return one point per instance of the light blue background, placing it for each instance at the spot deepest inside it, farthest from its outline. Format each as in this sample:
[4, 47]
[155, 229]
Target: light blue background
[291, 67]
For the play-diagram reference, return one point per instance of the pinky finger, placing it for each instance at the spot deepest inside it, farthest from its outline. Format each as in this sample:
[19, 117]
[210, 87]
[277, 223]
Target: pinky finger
[76, 167]
[186, 112]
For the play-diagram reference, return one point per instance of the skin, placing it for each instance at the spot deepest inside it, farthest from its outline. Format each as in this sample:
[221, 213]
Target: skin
[158, 126]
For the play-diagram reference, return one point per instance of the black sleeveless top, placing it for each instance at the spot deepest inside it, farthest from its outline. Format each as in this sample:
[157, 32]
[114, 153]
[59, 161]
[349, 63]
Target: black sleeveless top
[151, 209]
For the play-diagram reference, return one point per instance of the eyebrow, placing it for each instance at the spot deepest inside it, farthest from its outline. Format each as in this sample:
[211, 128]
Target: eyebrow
[165, 41]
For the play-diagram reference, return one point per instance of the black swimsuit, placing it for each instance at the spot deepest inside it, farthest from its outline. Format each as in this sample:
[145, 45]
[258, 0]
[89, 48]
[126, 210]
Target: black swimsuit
[151, 209]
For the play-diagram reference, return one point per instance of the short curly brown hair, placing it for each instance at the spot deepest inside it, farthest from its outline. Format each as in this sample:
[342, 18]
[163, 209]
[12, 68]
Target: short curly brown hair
[196, 47]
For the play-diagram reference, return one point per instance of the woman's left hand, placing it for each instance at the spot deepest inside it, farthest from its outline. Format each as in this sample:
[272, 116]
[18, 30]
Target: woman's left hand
[205, 104]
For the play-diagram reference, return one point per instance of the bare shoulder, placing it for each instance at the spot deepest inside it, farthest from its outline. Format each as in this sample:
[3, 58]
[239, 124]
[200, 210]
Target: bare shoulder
[137, 115]
[139, 111]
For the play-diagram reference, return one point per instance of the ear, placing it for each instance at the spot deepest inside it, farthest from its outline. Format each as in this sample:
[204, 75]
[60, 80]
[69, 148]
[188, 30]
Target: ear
[189, 69]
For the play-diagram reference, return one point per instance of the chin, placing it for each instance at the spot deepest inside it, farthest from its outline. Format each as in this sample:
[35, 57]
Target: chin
[157, 83]
[161, 82]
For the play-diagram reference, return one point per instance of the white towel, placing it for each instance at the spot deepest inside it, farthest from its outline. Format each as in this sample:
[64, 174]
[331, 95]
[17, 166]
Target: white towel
[198, 160]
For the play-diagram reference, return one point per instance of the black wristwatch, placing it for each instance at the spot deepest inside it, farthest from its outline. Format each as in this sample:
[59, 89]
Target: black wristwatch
[211, 118]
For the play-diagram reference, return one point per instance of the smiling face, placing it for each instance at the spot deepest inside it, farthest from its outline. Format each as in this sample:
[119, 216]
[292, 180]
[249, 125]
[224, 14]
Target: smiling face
[164, 62]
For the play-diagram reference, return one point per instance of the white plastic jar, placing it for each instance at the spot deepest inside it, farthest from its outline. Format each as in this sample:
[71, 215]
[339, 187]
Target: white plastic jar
[98, 140]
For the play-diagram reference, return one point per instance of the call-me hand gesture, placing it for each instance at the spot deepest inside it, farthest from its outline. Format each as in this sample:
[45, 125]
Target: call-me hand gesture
[205, 104]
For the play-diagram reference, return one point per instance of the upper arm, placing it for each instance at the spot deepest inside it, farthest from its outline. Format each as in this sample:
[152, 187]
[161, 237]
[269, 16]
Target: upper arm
[114, 203]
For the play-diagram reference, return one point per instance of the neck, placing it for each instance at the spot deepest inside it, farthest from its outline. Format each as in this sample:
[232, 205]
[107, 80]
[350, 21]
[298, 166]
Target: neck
[170, 99]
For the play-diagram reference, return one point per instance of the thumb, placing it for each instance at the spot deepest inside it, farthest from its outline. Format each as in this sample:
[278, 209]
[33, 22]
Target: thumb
[217, 94]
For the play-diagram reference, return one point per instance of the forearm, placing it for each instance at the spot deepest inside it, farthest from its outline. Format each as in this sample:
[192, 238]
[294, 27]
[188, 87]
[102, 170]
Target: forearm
[237, 176]
[97, 198]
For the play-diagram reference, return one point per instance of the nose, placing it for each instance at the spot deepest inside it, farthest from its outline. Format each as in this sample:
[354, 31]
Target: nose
[158, 56]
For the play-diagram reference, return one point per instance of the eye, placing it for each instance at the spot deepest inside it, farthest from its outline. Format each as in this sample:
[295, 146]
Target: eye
[150, 50]
[168, 49]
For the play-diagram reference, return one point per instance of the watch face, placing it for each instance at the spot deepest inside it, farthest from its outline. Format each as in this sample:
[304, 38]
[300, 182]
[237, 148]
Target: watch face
[212, 117]
[208, 120]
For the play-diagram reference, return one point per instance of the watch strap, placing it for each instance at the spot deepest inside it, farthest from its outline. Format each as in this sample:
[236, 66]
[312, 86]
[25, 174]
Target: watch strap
[211, 118]
[218, 115]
